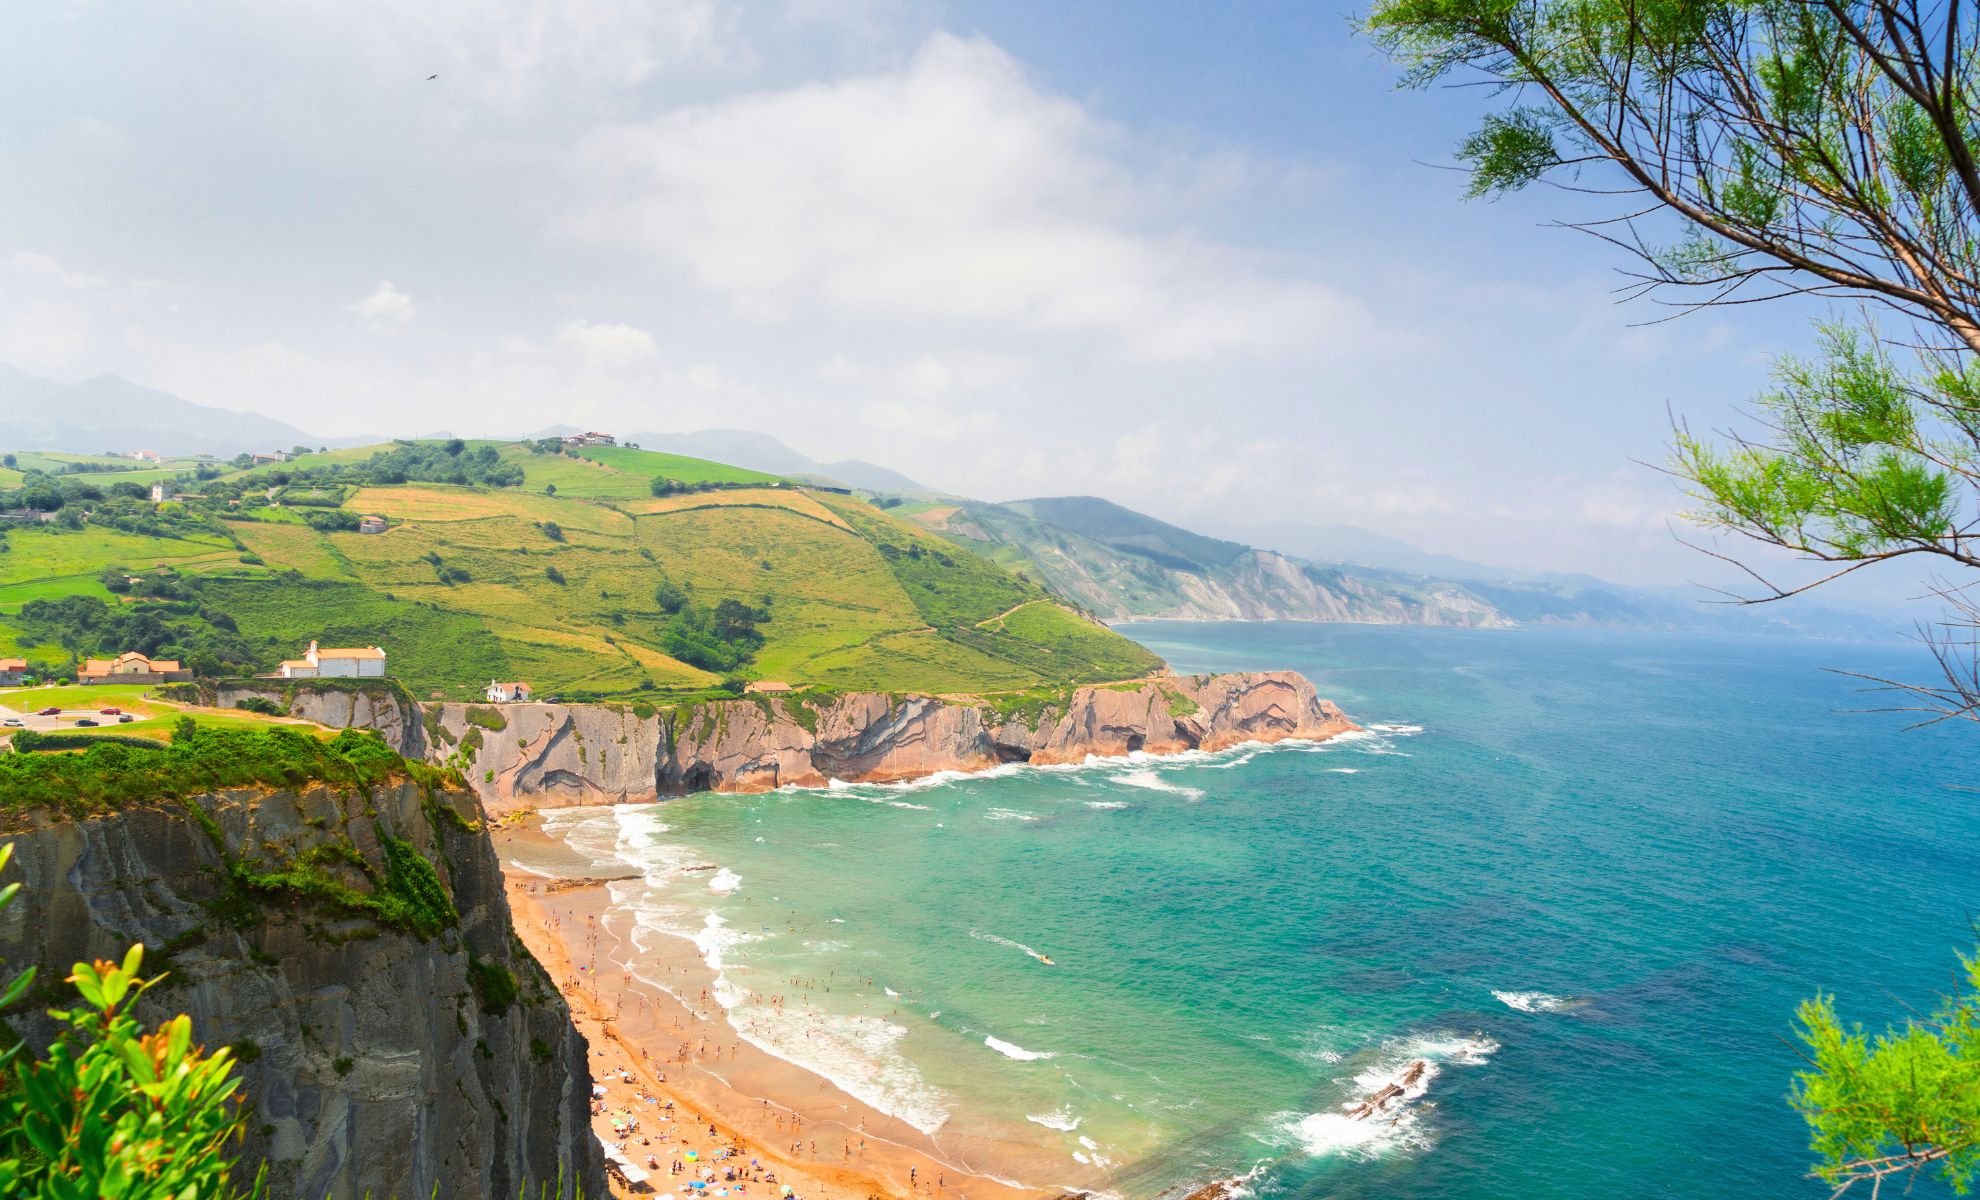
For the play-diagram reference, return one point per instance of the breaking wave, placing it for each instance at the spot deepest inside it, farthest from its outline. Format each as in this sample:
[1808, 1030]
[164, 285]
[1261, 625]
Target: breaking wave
[1537, 1002]
[1012, 1050]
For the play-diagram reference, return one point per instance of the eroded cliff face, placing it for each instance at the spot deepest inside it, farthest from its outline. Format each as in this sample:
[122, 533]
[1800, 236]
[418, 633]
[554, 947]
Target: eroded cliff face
[546, 755]
[376, 1059]
[380, 706]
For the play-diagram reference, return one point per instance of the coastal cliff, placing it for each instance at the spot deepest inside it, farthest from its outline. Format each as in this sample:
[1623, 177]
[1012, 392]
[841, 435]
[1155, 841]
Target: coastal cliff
[380, 705]
[528, 756]
[354, 946]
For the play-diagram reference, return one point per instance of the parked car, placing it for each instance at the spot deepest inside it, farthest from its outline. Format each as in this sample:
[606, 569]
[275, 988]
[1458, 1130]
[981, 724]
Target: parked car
[87, 721]
[12, 722]
[49, 712]
[110, 712]
[125, 719]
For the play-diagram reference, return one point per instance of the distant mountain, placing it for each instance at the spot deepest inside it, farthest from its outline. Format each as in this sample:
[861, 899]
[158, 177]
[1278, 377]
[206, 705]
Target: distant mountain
[112, 413]
[762, 452]
[1353, 544]
[1119, 564]
[1132, 532]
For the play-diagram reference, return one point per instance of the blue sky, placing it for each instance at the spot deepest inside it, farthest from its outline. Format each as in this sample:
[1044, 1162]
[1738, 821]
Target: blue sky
[1187, 257]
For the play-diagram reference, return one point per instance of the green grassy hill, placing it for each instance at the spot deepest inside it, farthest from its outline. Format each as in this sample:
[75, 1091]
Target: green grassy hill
[578, 579]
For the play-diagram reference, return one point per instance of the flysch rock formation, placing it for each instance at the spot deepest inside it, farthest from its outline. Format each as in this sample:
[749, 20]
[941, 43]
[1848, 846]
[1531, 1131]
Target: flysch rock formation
[375, 1061]
[530, 756]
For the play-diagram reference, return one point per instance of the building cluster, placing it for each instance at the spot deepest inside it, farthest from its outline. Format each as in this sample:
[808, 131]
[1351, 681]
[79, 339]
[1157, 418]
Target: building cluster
[592, 438]
[317, 662]
[354, 662]
[132, 667]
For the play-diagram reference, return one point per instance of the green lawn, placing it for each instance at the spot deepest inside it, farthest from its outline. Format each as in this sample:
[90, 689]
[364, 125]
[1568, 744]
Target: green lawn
[127, 696]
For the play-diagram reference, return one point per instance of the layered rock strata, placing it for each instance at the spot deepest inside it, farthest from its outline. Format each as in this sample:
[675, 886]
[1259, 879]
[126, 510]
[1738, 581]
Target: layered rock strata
[379, 1056]
[527, 756]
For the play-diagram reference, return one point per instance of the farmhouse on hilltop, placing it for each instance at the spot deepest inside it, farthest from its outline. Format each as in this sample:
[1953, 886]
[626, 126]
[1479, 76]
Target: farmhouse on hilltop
[371, 524]
[132, 667]
[361, 662]
[591, 438]
[508, 693]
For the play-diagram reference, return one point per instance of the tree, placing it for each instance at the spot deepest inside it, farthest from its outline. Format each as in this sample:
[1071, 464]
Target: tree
[1749, 150]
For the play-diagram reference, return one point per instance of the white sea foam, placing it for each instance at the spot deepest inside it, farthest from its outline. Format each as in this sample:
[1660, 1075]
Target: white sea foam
[1009, 814]
[1148, 778]
[1061, 1120]
[1343, 770]
[1537, 1002]
[1403, 730]
[1013, 1050]
[1106, 804]
[861, 1055]
[724, 882]
[1230, 756]
[890, 992]
[1381, 1115]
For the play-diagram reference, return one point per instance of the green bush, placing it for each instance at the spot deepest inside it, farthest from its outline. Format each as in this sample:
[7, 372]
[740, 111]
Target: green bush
[493, 984]
[111, 773]
[488, 717]
[413, 895]
[114, 1112]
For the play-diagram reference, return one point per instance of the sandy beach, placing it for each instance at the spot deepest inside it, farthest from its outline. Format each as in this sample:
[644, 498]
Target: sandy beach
[781, 1125]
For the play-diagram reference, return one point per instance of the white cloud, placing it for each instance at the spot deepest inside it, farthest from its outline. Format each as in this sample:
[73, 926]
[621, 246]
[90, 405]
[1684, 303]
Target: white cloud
[949, 190]
[47, 269]
[386, 305]
[609, 346]
[510, 54]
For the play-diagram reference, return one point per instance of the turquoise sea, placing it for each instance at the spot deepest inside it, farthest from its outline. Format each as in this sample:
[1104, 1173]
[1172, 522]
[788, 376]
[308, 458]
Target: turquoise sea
[1584, 876]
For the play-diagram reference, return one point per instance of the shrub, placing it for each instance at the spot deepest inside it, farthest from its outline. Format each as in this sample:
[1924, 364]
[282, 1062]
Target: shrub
[493, 983]
[112, 1111]
[487, 717]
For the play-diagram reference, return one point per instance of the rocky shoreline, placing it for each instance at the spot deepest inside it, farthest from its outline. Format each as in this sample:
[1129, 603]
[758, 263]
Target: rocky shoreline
[557, 755]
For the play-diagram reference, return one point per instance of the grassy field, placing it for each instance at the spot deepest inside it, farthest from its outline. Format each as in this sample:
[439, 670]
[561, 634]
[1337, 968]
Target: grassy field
[472, 584]
[127, 696]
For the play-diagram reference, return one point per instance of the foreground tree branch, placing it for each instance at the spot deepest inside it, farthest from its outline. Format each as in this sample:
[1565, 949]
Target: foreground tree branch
[1762, 149]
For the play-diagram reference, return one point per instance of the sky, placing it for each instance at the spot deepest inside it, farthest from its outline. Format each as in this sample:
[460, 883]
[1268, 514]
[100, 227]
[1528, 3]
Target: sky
[1206, 261]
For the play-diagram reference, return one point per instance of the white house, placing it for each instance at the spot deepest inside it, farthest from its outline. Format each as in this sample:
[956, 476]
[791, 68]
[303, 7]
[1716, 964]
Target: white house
[162, 491]
[507, 693]
[361, 662]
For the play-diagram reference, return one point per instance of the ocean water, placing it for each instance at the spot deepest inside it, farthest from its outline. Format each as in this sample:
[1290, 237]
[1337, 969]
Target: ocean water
[1584, 877]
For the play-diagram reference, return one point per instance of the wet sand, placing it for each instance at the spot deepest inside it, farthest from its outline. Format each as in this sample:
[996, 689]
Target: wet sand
[649, 1048]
